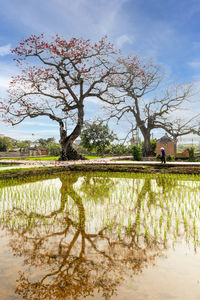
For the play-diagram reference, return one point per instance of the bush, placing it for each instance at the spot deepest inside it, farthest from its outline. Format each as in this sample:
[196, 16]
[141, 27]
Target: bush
[158, 157]
[118, 149]
[170, 157]
[5, 144]
[53, 149]
[153, 144]
[191, 154]
[137, 153]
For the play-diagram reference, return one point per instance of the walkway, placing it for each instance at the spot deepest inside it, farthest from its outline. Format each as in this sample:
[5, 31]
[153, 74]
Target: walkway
[108, 161]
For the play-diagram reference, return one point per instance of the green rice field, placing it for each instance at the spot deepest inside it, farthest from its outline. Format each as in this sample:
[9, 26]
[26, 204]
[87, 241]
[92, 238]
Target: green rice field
[97, 235]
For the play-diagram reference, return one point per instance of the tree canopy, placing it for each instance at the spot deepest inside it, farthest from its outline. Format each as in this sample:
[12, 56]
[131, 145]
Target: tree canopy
[96, 136]
[5, 144]
[56, 78]
[138, 85]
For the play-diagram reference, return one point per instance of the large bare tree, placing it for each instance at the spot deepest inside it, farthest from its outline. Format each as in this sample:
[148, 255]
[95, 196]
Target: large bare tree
[56, 77]
[142, 100]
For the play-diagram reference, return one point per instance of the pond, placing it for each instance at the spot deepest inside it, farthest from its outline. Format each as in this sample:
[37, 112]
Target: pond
[100, 236]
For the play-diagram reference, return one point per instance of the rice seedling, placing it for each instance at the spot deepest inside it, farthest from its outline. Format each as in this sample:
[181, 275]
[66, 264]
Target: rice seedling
[146, 234]
[165, 207]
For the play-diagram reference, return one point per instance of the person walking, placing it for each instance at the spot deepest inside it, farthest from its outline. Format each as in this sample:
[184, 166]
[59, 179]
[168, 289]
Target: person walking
[163, 157]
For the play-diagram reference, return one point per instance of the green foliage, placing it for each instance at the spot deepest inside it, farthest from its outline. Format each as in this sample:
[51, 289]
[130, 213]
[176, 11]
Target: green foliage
[137, 152]
[38, 158]
[118, 149]
[5, 144]
[153, 144]
[53, 149]
[191, 153]
[45, 142]
[170, 157]
[92, 157]
[96, 137]
[23, 144]
[182, 147]
[51, 146]
[158, 157]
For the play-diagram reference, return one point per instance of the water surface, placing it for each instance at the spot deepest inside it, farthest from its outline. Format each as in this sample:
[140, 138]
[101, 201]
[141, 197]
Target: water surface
[100, 236]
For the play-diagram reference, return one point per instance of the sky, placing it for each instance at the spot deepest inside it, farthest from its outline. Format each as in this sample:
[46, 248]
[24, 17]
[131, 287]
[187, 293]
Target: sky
[167, 31]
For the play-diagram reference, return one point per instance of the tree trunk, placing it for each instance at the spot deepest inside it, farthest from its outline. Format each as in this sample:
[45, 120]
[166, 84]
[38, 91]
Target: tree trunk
[147, 148]
[68, 152]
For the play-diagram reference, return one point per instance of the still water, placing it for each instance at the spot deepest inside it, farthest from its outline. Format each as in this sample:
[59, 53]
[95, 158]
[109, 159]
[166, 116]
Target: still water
[100, 236]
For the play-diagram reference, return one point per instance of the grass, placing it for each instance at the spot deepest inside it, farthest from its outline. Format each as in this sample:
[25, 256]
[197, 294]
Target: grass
[44, 158]
[33, 158]
[7, 165]
[23, 169]
[92, 157]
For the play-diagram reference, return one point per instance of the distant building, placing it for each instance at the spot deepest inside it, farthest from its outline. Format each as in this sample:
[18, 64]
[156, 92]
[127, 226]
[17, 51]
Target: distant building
[168, 143]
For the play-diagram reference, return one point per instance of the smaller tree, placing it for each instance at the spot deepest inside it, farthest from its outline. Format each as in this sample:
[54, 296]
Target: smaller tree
[45, 142]
[50, 145]
[53, 148]
[96, 137]
[137, 153]
[23, 145]
[5, 144]
[119, 149]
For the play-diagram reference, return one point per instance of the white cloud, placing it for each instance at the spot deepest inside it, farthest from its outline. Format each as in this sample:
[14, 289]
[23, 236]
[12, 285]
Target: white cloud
[72, 18]
[93, 100]
[49, 131]
[124, 39]
[4, 50]
[35, 123]
[195, 64]
[20, 134]
[4, 82]
[7, 70]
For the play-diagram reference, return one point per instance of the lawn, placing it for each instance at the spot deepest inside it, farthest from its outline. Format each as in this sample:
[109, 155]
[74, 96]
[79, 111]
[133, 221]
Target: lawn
[43, 158]
[7, 165]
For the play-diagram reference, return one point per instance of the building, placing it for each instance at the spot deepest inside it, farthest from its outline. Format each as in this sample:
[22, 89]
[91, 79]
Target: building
[168, 143]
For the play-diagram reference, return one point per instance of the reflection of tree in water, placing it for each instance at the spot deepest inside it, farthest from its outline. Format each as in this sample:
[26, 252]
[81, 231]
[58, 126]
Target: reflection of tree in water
[97, 188]
[71, 262]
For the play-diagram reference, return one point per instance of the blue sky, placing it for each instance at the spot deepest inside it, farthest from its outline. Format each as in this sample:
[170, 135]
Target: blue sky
[166, 30]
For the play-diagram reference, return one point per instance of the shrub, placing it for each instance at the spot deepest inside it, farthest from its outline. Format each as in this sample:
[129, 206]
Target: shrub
[170, 157]
[153, 144]
[53, 149]
[158, 157]
[191, 153]
[137, 153]
[5, 144]
[118, 149]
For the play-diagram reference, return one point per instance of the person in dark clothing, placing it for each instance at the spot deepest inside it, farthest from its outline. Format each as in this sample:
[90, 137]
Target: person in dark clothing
[163, 157]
